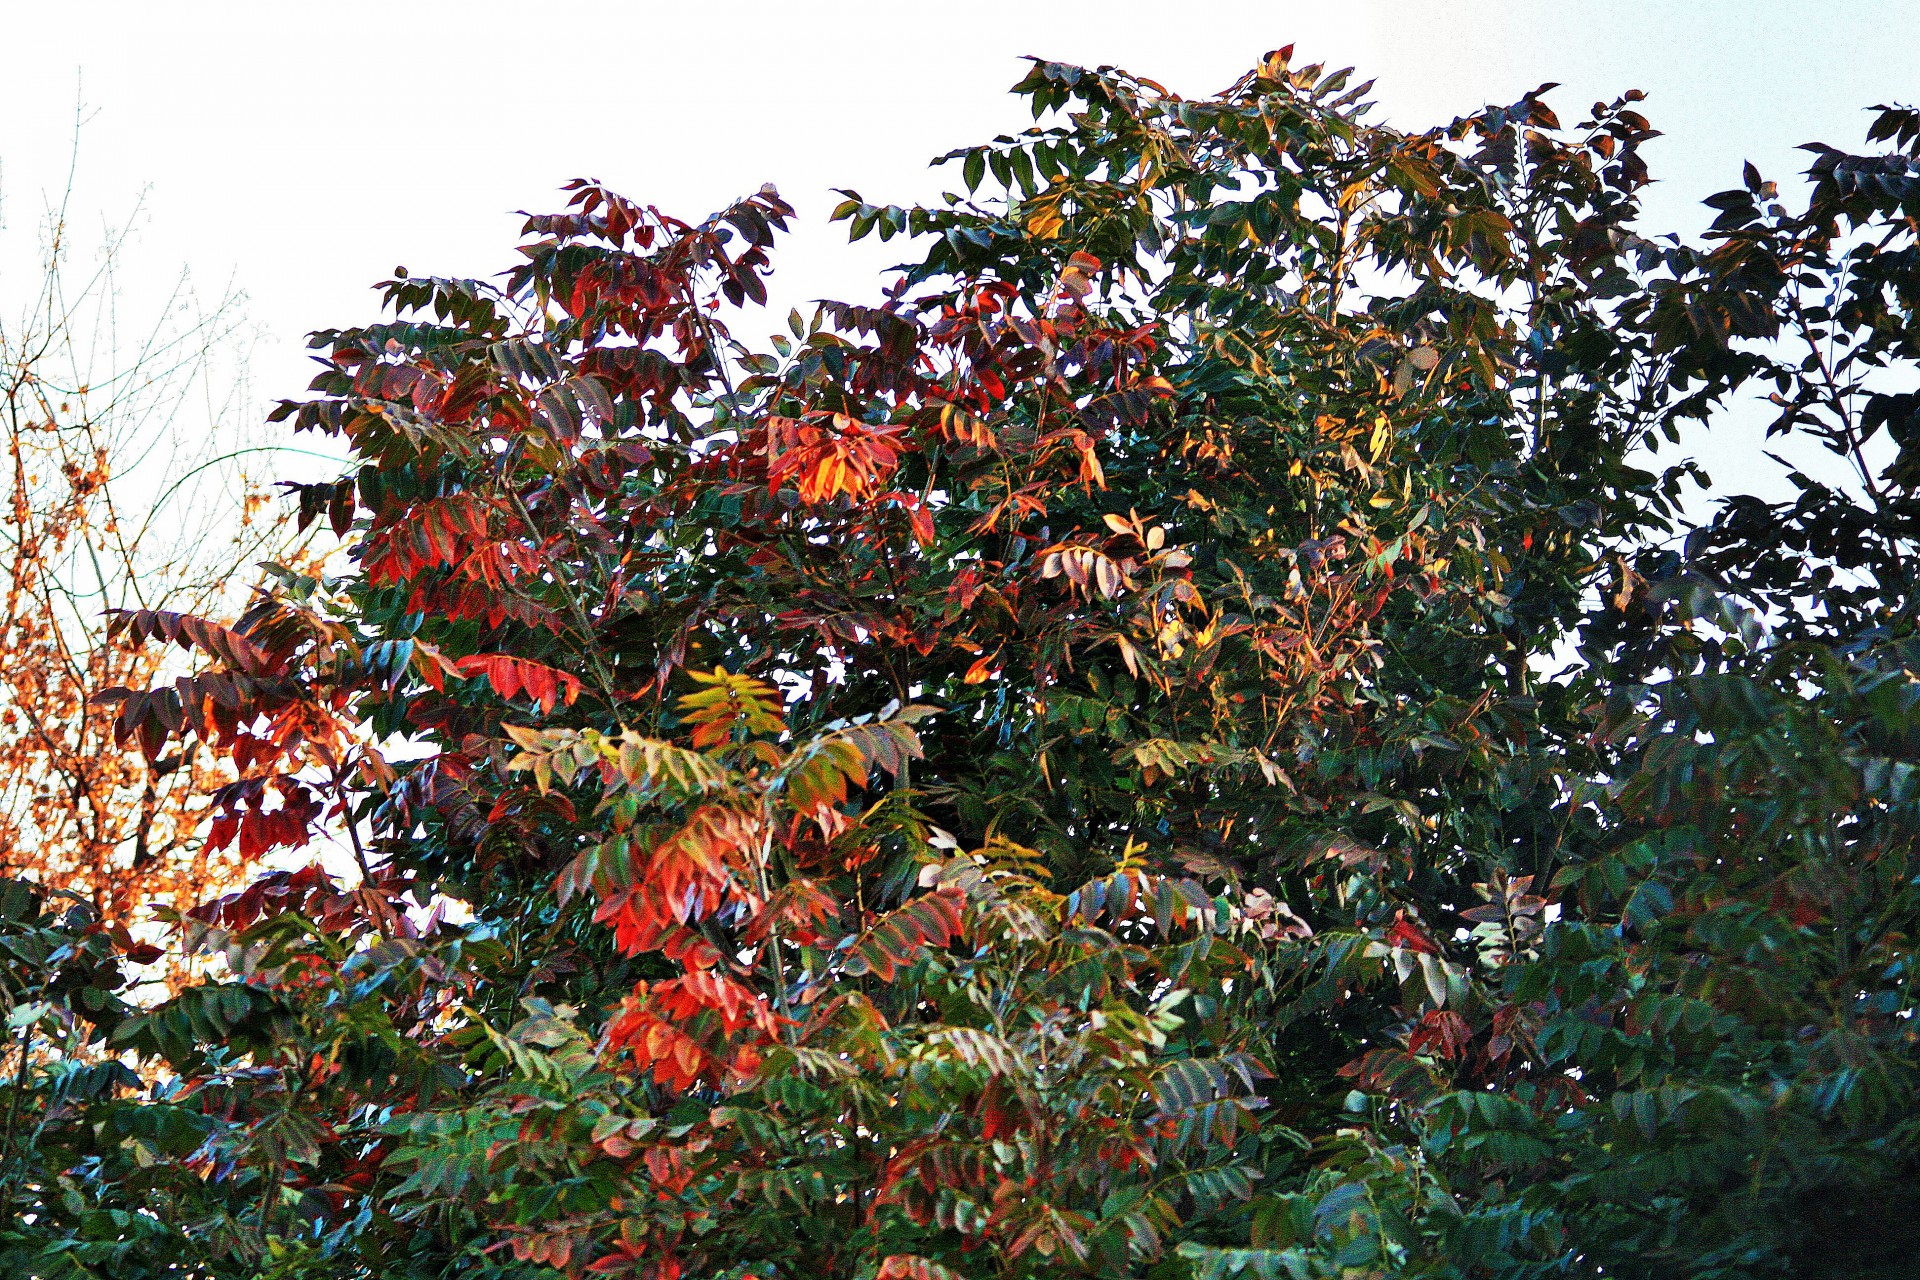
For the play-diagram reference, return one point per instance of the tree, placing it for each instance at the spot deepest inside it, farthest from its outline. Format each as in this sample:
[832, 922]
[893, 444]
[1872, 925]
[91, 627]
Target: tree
[95, 835]
[1168, 744]
[1729, 979]
[95, 523]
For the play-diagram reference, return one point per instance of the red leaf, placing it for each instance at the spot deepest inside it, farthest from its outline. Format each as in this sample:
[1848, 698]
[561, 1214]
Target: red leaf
[511, 676]
[1407, 934]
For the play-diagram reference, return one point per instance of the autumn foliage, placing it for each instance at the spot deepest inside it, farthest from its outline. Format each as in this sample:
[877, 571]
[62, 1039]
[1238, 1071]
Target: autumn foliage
[1054, 771]
[95, 515]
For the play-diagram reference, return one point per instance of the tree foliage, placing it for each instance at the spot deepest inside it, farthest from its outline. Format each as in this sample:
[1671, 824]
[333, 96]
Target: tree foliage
[106, 507]
[1190, 737]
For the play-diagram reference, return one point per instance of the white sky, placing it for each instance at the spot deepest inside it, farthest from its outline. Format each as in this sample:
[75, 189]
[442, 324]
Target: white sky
[300, 152]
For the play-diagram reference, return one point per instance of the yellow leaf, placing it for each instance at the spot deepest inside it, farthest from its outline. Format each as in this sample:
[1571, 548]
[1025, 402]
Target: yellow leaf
[1044, 222]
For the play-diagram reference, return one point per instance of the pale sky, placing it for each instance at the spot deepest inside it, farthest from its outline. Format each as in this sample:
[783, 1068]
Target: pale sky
[300, 152]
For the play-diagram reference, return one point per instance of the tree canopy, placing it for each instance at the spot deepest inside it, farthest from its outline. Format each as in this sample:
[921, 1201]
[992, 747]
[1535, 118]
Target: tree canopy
[1190, 735]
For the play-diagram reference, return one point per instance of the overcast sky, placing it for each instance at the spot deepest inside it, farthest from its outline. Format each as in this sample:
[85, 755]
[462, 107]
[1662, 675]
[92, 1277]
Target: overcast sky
[299, 152]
